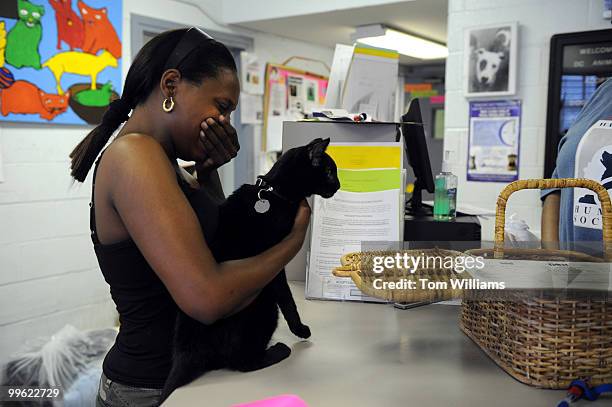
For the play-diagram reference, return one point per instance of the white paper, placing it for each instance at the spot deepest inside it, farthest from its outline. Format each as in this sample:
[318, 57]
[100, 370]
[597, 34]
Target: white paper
[278, 99]
[371, 82]
[340, 65]
[251, 109]
[277, 110]
[274, 133]
[339, 225]
[296, 94]
[252, 75]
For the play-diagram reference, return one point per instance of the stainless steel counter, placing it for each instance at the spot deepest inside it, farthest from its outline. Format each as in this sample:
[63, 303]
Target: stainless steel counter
[374, 355]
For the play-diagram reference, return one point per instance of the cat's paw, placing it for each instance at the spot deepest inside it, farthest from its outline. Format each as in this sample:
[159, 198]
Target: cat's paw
[302, 331]
[278, 351]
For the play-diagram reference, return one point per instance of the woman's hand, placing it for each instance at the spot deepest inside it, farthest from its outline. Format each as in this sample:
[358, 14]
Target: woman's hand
[301, 222]
[220, 141]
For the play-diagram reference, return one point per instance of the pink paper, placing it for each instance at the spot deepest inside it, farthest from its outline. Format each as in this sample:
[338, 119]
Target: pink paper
[436, 99]
[285, 400]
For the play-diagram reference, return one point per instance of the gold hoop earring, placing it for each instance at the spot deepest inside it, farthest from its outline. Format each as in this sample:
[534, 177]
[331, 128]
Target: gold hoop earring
[167, 108]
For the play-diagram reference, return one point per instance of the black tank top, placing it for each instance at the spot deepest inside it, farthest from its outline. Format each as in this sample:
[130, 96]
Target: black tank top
[141, 355]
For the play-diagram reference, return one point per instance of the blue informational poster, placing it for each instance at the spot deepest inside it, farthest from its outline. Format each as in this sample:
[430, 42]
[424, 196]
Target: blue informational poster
[493, 149]
[60, 60]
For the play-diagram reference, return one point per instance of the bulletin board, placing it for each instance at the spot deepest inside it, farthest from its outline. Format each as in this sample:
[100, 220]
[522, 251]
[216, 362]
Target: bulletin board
[60, 60]
[289, 93]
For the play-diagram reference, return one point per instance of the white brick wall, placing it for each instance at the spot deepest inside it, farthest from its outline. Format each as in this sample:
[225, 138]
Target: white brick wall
[48, 271]
[538, 21]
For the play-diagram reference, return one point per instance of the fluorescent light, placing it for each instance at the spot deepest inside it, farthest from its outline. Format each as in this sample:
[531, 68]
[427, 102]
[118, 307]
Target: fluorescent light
[406, 44]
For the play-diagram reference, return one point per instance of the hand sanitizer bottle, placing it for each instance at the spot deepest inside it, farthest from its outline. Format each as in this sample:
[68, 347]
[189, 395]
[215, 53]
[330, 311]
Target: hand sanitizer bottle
[445, 198]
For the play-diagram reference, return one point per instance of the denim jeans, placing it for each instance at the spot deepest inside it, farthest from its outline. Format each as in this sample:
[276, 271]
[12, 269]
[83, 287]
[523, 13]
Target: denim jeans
[113, 394]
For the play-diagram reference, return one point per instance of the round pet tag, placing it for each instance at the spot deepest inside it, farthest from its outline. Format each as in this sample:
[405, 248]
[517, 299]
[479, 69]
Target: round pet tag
[262, 206]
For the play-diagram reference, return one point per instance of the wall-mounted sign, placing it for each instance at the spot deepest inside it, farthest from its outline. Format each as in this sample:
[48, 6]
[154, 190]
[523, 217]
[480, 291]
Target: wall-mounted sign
[587, 58]
[493, 150]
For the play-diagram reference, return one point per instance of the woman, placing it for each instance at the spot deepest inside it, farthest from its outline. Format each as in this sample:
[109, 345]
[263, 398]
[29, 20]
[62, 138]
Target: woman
[150, 243]
[562, 225]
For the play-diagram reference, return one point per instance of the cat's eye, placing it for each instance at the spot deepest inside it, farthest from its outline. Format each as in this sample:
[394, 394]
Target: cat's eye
[36, 14]
[98, 17]
[23, 12]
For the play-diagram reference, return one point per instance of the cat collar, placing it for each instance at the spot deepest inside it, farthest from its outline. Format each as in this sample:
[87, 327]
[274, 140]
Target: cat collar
[265, 187]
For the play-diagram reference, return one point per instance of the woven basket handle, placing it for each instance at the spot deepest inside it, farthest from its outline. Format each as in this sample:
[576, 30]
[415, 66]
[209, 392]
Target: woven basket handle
[602, 193]
[341, 271]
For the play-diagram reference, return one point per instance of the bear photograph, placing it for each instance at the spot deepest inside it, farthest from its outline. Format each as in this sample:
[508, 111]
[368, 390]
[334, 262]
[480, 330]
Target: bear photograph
[490, 60]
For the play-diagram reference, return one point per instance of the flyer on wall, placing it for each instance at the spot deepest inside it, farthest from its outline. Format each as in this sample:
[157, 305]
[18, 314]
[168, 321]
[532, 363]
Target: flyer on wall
[493, 150]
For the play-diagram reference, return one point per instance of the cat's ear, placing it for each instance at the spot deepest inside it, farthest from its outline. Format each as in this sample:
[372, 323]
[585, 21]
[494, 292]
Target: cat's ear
[315, 141]
[316, 150]
[103, 10]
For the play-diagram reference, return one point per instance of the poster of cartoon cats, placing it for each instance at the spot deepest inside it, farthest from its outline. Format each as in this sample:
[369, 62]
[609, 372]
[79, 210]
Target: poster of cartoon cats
[69, 25]
[25, 98]
[60, 60]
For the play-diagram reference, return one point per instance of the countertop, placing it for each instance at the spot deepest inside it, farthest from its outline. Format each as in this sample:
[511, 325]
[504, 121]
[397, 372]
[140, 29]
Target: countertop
[374, 355]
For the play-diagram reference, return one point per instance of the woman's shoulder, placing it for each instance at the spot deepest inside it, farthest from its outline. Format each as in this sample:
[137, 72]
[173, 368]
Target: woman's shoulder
[137, 152]
[135, 144]
[133, 162]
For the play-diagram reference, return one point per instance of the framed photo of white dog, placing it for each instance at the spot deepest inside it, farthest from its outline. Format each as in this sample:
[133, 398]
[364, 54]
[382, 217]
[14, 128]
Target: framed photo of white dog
[491, 60]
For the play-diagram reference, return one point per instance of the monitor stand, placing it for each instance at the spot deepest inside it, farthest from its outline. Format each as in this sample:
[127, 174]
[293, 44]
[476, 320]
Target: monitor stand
[415, 206]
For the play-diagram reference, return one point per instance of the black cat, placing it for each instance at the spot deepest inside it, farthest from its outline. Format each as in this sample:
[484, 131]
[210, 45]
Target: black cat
[247, 226]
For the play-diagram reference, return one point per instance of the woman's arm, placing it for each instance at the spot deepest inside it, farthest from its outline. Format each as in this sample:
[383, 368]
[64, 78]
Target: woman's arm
[550, 221]
[160, 220]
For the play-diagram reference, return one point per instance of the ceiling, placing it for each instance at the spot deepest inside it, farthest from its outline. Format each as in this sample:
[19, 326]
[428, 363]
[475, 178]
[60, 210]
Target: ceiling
[427, 18]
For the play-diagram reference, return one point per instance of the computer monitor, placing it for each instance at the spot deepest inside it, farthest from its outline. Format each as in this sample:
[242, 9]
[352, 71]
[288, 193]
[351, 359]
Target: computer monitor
[418, 156]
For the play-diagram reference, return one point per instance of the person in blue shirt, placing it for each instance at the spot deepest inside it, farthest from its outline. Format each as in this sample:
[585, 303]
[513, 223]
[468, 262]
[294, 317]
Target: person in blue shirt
[571, 218]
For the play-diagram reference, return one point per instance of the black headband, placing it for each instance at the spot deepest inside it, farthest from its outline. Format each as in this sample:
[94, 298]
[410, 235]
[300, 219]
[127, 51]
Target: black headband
[188, 42]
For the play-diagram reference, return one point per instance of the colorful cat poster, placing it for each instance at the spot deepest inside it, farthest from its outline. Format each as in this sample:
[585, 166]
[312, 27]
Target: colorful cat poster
[60, 60]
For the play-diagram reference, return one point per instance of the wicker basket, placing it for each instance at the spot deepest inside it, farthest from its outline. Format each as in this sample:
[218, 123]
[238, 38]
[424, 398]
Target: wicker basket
[359, 267]
[537, 337]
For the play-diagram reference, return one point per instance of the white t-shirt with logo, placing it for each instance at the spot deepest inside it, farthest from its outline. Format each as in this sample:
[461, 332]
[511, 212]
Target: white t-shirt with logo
[594, 161]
